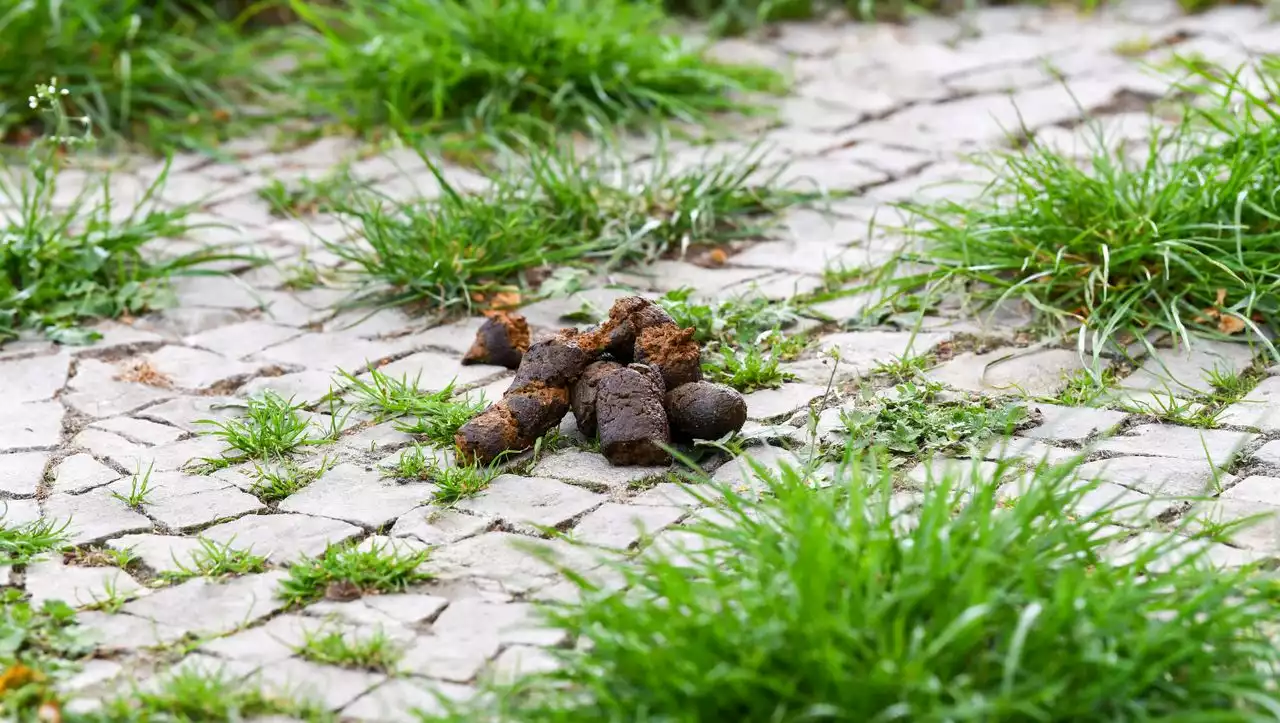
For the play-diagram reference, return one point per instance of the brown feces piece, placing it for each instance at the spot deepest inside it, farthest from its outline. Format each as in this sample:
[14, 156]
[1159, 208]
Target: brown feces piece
[627, 317]
[582, 398]
[535, 402]
[672, 351]
[503, 340]
[632, 422]
[703, 410]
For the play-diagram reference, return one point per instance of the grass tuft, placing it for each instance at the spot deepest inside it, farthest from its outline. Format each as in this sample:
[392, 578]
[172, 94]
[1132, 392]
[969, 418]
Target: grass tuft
[193, 694]
[746, 371]
[273, 428]
[365, 651]
[346, 570]
[21, 543]
[215, 561]
[490, 68]
[967, 608]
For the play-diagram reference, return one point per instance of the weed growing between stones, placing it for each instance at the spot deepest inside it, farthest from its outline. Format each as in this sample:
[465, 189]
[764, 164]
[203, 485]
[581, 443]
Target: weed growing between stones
[1185, 241]
[198, 693]
[215, 561]
[745, 371]
[281, 479]
[347, 571]
[462, 481]
[965, 608]
[20, 543]
[308, 196]
[65, 263]
[437, 415]
[272, 430]
[39, 647]
[908, 422]
[555, 210]
[139, 488]
[1202, 410]
[487, 68]
[374, 651]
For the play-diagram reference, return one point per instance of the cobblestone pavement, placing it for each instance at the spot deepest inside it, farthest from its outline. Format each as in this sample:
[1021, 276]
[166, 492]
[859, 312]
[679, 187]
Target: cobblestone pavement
[881, 110]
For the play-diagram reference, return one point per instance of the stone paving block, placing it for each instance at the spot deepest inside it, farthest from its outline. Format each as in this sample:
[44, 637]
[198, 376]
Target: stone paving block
[527, 503]
[1121, 505]
[327, 685]
[185, 412]
[30, 425]
[81, 472]
[93, 516]
[353, 494]
[861, 351]
[268, 643]
[1041, 373]
[22, 472]
[1268, 453]
[962, 473]
[767, 404]
[1218, 446]
[303, 387]
[740, 473]
[666, 494]
[1185, 371]
[395, 610]
[78, 586]
[140, 430]
[509, 559]
[112, 448]
[282, 538]
[509, 623]
[328, 352]
[592, 470]
[433, 371]
[117, 632]
[15, 513]
[34, 379]
[161, 553]
[668, 275]
[1071, 424]
[1262, 532]
[406, 699]
[521, 660]
[182, 502]
[1166, 477]
[439, 526]
[1255, 488]
[203, 607]
[622, 526]
[1259, 409]
[1029, 450]
[191, 368]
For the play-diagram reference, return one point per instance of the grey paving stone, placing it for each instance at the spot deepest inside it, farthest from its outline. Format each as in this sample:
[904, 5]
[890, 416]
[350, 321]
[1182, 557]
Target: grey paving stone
[1268, 453]
[1259, 409]
[115, 632]
[282, 537]
[962, 473]
[96, 393]
[621, 526]
[1255, 488]
[666, 494]
[352, 494]
[1262, 532]
[185, 412]
[183, 502]
[303, 387]
[190, 368]
[113, 448]
[203, 607]
[509, 623]
[81, 472]
[521, 660]
[457, 660]
[1218, 446]
[433, 371]
[1032, 451]
[527, 503]
[592, 470]
[161, 553]
[767, 404]
[186, 454]
[1037, 373]
[19, 512]
[328, 352]
[93, 516]
[268, 643]
[1154, 475]
[329, 686]
[22, 472]
[1186, 371]
[438, 526]
[1071, 424]
[401, 609]
[740, 473]
[140, 430]
[30, 425]
[34, 379]
[78, 586]
[406, 699]
[509, 559]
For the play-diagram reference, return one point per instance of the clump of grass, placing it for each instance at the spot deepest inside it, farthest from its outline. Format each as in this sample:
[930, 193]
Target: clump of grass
[909, 422]
[745, 371]
[1084, 388]
[215, 561]
[374, 651]
[437, 415]
[554, 209]
[966, 608]
[308, 196]
[1185, 241]
[453, 482]
[41, 645]
[159, 74]
[194, 694]
[139, 488]
[490, 68]
[905, 368]
[347, 570]
[64, 264]
[272, 429]
[736, 320]
[19, 544]
[278, 481]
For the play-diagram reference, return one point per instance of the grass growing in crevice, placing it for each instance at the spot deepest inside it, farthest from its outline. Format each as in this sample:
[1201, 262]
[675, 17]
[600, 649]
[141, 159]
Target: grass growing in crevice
[489, 69]
[452, 482]
[272, 429]
[21, 543]
[908, 422]
[62, 264]
[215, 561]
[195, 694]
[967, 608]
[436, 415]
[373, 651]
[747, 371]
[346, 571]
[307, 196]
[1185, 241]
[277, 481]
[554, 210]
[1201, 409]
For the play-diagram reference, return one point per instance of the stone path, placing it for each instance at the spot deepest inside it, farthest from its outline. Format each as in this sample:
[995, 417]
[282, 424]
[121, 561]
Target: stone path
[880, 110]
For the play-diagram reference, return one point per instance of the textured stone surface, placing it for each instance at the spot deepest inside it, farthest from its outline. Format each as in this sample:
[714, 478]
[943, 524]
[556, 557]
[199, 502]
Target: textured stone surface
[592, 470]
[1071, 424]
[1042, 373]
[620, 526]
[78, 586]
[352, 494]
[203, 607]
[436, 526]
[282, 537]
[1218, 446]
[1154, 475]
[1259, 409]
[21, 472]
[773, 403]
[527, 503]
[182, 501]
[509, 559]
[30, 425]
[93, 516]
[404, 699]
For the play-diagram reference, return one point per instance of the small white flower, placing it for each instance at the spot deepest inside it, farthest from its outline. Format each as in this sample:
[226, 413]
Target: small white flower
[65, 91]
